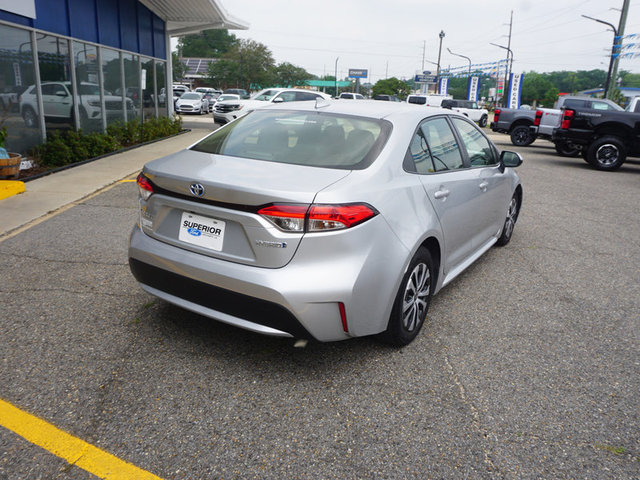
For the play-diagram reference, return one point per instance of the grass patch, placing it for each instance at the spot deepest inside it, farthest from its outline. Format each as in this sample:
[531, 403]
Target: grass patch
[612, 449]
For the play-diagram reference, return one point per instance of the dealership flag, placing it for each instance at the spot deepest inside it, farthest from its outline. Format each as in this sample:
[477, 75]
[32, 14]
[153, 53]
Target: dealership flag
[515, 88]
[443, 88]
[474, 84]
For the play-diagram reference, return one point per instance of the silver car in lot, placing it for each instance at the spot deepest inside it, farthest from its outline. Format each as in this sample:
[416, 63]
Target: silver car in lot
[323, 220]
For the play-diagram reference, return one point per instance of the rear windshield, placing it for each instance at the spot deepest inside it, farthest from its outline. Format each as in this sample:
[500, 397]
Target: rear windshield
[417, 100]
[316, 139]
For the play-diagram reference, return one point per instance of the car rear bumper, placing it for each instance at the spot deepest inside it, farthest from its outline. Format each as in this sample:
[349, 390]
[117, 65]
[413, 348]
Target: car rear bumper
[573, 136]
[300, 300]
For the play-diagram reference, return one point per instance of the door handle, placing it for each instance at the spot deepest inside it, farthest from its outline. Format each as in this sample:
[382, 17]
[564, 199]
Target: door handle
[441, 194]
[483, 186]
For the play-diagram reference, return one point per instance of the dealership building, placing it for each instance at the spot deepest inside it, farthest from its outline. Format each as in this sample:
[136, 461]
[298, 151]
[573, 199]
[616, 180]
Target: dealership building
[83, 64]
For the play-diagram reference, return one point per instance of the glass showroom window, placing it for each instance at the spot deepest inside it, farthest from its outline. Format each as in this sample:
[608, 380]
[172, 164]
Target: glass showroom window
[148, 92]
[18, 112]
[87, 71]
[161, 68]
[112, 74]
[132, 85]
[57, 92]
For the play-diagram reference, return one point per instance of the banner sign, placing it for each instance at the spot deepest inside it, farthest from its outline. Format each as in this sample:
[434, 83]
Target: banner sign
[474, 87]
[515, 88]
[443, 88]
[425, 78]
[358, 73]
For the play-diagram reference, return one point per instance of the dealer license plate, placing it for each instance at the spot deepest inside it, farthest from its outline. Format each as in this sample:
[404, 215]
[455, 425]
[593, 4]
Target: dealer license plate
[202, 231]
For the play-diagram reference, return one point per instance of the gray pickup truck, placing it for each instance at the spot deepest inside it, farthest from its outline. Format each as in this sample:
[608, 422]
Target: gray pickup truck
[516, 123]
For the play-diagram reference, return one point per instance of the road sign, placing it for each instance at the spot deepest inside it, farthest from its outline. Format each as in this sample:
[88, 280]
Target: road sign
[358, 73]
[425, 79]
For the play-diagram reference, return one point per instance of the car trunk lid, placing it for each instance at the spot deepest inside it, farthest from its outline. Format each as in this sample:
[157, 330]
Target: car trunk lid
[207, 203]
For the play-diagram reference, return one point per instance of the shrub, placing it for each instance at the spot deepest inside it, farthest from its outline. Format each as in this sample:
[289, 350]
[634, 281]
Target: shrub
[55, 152]
[75, 146]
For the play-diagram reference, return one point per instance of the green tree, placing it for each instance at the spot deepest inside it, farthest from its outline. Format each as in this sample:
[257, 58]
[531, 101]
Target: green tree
[248, 64]
[179, 68]
[538, 90]
[629, 79]
[207, 44]
[289, 75]
[391, 86]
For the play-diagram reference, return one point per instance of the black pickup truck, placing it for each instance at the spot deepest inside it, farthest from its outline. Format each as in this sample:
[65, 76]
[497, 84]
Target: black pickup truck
[605, 137]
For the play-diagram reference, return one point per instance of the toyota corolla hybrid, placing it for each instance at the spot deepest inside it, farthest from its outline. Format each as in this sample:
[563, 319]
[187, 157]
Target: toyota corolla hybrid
[323, 220]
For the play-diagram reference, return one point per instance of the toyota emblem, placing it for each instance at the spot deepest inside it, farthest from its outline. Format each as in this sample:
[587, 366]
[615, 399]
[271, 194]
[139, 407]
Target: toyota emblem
[196, 189]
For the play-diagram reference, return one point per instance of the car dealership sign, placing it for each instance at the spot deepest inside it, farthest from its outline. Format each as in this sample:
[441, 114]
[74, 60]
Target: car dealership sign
[358, 73]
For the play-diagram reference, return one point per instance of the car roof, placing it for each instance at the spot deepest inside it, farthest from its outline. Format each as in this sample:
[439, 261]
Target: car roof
[365, 108]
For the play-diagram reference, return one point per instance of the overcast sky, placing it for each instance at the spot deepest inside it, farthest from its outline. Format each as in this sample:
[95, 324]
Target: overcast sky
[387, 38]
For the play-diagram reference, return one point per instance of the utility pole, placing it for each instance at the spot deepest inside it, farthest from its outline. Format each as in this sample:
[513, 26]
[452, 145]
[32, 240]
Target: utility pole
[441, 35]
[507, 72]
[424, 46]
[618, 43]
[607, 83]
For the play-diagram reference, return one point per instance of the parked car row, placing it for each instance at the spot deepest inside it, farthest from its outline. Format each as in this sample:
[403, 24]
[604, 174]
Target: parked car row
[226, 111]
[597, 129]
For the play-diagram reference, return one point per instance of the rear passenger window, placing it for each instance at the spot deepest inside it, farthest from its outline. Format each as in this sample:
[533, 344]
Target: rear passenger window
[574, 103]
[419, 158]
[443, 146]
[477, 146]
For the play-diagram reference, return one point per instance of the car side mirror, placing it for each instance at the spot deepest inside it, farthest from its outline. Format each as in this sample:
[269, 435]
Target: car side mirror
[510, 159]
[61, 93]
[278, 100]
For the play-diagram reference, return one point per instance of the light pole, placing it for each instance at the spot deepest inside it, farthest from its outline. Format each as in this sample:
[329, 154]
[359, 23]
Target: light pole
[338, 58]
[458, 55]
[441, 35]
[613, 51]
[506, 73]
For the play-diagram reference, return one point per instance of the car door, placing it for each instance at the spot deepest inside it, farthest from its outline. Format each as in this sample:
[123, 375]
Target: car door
[450, 185]
[50, 100]
[492, 188]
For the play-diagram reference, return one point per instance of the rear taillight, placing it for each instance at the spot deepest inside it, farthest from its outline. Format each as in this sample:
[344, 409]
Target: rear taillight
[290, 218]
[145, 187]
[536, 121]
[496, 114]
[317, 218]
[567, 116]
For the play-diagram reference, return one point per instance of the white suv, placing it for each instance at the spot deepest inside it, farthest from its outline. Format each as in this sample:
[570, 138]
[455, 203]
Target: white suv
[228, 110]
[351, 96]
[57, 101]
[468, 108]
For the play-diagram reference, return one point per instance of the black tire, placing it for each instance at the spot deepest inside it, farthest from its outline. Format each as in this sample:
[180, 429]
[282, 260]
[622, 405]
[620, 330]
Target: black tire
[510, 222]
[30, 117]
[566, 149]
[412, 300]
[607, 153]
[483, 121]
[521, 136]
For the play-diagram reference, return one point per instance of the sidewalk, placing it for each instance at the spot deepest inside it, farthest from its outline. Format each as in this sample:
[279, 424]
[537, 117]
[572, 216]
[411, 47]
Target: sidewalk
[48, 194]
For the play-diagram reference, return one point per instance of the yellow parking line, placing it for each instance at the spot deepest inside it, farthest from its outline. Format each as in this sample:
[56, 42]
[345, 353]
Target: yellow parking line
[75, 451]
[127, 180]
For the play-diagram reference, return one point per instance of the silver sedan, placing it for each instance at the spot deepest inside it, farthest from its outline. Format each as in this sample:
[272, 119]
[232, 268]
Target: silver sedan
[323, 220]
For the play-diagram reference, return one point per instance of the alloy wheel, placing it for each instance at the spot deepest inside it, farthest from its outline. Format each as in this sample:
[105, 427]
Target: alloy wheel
[416, 295]
[607, 154]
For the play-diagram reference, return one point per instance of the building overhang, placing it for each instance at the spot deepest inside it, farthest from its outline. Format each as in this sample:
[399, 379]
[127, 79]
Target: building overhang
[192, 16]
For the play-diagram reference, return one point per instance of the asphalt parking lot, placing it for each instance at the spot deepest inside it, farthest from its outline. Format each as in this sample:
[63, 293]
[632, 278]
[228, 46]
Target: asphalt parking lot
[528, 366]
